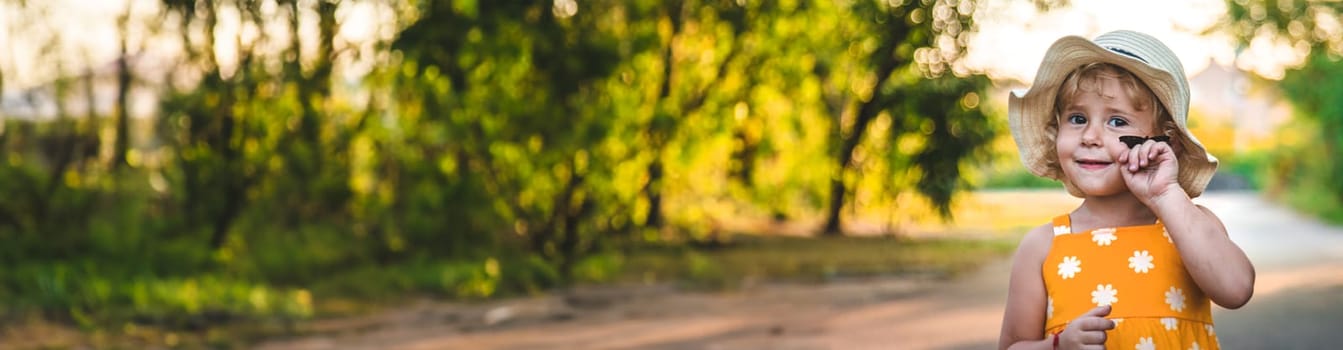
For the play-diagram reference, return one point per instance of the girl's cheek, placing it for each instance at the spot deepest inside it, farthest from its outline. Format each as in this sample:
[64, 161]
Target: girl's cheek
[1120, 152]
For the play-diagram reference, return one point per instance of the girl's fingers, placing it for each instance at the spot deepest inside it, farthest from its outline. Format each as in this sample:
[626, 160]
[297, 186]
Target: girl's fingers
[1135, 159]
[1099, 311]
[1091, 337]
[1143, 155]
[1156, 150]
[1146, 152]
[1096, 324]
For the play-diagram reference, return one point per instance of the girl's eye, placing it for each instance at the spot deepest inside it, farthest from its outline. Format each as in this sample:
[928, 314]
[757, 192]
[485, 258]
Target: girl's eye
[1077, 119]
[1117, 122]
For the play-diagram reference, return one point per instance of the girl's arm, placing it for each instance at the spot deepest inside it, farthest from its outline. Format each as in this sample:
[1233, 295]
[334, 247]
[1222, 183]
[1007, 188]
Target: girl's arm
[1024, 317]
[1218, 265]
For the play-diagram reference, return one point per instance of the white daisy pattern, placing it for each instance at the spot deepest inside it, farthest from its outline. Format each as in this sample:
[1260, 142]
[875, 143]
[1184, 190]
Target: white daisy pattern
[1169, 322]
[1145, 343]
[1210, 330]
[1141, 261]
[1062, 230]
[1105, 294]
[1175, 298]
[1069, 267]
[1103, 236]
[1167, 234]
[1118, 321]
[1194, 347]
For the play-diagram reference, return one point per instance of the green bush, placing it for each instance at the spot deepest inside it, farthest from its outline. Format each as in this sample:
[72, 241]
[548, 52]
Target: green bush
[1252, 166]
[1304, 183]
[1017, 177]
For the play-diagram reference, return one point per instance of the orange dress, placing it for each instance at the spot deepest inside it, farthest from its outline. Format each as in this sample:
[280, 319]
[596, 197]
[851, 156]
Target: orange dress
[1138, 272]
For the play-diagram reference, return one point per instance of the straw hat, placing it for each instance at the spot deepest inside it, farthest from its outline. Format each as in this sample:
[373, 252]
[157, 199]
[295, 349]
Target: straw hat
[1149, 60]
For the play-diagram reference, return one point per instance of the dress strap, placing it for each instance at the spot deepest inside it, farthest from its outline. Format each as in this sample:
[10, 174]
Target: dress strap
[1062, 225]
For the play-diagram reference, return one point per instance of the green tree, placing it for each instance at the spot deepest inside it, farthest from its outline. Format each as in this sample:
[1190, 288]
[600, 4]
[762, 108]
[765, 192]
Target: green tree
[532, 129]
[1311, 28]
[681, 91]
[887, 53]
[500, 90]
[50, 152]
[1314, 89]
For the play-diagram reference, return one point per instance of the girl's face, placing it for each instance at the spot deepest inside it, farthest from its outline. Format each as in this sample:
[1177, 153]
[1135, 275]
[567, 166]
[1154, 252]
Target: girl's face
[1088, 143]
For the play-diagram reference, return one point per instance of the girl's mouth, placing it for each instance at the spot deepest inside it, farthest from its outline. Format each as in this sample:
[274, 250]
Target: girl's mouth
[1089, 164]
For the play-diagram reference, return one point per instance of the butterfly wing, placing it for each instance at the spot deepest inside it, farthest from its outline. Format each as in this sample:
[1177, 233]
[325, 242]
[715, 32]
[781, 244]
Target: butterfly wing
[1132, 141]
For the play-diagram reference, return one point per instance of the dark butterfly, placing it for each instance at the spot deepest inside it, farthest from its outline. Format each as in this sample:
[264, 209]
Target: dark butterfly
[1134, 141]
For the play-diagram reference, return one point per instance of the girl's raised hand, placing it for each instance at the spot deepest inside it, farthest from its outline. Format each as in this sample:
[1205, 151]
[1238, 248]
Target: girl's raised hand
[1150, 170]
[1087, 331]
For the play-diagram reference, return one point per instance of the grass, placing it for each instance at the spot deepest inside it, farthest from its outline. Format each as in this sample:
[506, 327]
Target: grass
[746, 259]
[62, 305]
[737, 262]
[1017, 177]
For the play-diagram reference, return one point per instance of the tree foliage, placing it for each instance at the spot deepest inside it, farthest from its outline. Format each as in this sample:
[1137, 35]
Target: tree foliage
[1311, 29]
[505, 137]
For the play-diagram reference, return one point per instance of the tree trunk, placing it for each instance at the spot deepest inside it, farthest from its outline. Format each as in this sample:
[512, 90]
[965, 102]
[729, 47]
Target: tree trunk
[122, 144]
[571, 238]
[742, 159]
[224, 220]
[653, 190]
[832, 225]
[866, 113]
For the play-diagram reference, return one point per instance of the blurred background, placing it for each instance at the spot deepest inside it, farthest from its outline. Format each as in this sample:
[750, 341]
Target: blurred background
[225, 173]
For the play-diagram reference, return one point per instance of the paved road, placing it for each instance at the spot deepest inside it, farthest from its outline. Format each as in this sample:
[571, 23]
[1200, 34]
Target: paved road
[1298, 304]
[1298, 301]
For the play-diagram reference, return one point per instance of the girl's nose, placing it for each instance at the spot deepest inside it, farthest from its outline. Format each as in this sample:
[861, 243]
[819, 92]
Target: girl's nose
[1091, 135]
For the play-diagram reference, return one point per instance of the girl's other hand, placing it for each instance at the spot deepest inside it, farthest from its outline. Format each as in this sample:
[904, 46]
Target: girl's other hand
[1087, 331]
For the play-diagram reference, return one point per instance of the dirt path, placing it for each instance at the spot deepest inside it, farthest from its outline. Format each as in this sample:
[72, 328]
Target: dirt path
[1298, 303]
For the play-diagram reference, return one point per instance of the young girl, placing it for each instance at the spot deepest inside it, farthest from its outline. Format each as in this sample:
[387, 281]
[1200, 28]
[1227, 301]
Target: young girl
[1136, 264]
